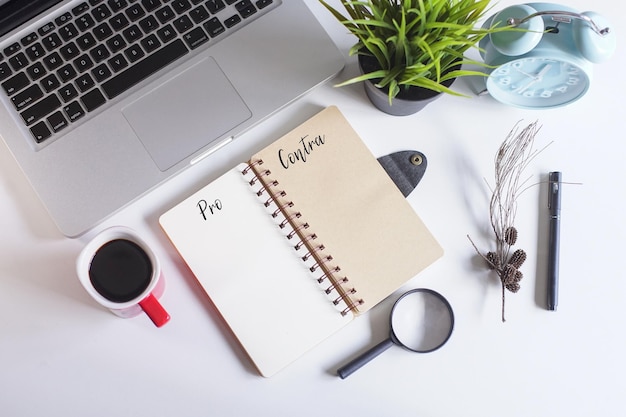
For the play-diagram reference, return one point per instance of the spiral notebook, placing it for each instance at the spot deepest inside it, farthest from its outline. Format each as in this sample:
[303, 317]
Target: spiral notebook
[292, 245]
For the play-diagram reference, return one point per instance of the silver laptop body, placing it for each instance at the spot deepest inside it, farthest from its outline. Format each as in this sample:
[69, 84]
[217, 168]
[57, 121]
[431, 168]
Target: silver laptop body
[93, 154]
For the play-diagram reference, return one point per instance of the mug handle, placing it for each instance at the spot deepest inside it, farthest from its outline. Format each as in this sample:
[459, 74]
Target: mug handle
[154, 310]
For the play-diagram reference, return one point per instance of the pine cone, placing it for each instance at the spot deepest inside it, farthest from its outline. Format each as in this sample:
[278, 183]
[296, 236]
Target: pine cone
[513, 287]
[493, 260]
[508, 274]
[510, 235]
[518, 258]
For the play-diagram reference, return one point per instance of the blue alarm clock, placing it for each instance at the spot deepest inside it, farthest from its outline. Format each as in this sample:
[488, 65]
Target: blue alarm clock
[549, 62]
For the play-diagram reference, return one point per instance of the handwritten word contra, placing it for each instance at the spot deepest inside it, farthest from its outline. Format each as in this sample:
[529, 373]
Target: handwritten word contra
[206, 208]
[307, 147]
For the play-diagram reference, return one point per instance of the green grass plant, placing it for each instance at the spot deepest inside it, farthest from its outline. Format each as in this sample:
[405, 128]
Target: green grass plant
[416, 43]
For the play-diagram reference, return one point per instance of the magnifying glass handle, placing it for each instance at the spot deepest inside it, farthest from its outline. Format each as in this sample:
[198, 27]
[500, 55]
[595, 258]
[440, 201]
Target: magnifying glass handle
[364, 358]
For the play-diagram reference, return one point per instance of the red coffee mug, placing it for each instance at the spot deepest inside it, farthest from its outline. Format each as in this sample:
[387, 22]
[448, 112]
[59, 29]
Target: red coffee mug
[120, 271]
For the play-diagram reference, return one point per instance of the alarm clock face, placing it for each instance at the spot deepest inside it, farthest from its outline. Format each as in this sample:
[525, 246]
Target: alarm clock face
[537, 83]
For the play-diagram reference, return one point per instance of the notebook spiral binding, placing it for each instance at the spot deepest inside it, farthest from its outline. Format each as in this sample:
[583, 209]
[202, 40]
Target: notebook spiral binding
[330, 281]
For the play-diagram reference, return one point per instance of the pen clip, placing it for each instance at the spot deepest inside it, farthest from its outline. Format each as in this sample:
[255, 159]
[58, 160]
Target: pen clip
[554, 192]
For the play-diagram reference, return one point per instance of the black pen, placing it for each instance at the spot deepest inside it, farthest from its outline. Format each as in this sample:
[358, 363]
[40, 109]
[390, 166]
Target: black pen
[554, 206]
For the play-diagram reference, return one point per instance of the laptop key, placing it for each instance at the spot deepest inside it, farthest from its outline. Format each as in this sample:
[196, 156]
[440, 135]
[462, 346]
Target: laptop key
[40, 109]
[81, 8]
[85, 22]
[68, 92]
[27, 97]
[215, 6]
[117, 5]
[66, 72]
[119, 22]
[214, 27]
[134, 53]
[53, 61]
[232, 21]
[165, 14]
[68, 32]
[73, 111]
[135, 12]
[132, 34]
[40, 132]
[63, 19]
[18, 61]
[166, 33]
[199, 14]
[151, 5]
[101, 72]
[51, 41]
[195, 38]
[101, 12]
[30, 38]
[93, 99]
[57, 121]
[86, 41]
[15, 83]
[148, 24]
[99, 53]
[118, 63]
[35, 51]
[116, 43]
[181, 6]
[150, 43]
[183, 24]
[5, 71]
[245, 8]
[45, 29]
[50, 83]
[11, 49]
[83, 63]
[69, 51]
[143, 69]
[85, 82]
[263, 3]
[36, 71]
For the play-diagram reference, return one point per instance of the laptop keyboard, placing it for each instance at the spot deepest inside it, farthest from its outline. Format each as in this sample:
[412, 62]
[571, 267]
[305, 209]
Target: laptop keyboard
[80, 60]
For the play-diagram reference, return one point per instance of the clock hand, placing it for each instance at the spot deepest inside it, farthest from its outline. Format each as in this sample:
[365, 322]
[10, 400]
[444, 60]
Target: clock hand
[535, 79]
[525, 73]
[543, 72]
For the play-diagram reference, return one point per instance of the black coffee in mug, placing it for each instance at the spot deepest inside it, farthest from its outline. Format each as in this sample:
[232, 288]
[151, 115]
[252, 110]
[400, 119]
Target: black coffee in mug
[120, 270]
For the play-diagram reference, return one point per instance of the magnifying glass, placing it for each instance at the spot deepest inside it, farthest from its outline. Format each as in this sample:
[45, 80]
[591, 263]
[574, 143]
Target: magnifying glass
[421, 321]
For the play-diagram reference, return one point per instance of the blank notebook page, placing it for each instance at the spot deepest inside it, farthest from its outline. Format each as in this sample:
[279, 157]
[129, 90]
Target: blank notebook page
[252, 273]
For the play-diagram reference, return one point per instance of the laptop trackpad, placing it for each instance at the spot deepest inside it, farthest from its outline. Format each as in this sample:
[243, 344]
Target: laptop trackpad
[186, 113]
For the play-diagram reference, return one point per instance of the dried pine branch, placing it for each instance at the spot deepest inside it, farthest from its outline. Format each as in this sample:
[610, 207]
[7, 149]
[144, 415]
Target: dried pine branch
[512, 158]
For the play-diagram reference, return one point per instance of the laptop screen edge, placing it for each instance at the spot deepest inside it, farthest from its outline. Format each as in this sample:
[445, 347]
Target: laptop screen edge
[14, 13]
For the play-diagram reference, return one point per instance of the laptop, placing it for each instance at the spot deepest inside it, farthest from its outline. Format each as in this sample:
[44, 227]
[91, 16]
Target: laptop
[102, 100]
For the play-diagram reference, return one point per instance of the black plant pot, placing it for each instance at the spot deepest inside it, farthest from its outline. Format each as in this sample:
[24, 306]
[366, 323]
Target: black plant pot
[408, 101]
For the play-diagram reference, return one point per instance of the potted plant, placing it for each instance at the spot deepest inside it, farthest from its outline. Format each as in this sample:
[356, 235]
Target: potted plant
[411, 51]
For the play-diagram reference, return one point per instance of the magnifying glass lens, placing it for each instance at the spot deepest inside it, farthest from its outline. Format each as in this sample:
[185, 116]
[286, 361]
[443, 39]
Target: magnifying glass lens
[422, 321]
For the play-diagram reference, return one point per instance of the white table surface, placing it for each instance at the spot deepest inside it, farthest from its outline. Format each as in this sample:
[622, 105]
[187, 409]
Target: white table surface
[62, 354]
